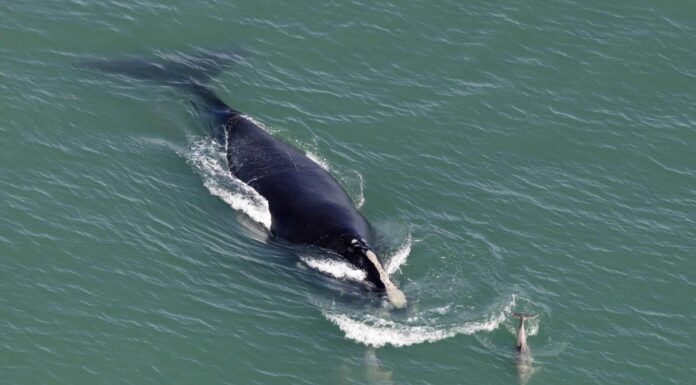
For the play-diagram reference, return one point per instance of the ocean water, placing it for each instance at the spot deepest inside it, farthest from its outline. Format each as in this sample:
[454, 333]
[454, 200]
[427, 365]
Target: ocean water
[512, 156]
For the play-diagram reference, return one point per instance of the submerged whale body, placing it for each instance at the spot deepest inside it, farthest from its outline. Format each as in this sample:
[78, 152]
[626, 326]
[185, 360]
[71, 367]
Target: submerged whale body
[307, 205]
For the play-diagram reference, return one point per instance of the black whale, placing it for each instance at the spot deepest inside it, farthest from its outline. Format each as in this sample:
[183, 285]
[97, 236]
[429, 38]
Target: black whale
[307, 204]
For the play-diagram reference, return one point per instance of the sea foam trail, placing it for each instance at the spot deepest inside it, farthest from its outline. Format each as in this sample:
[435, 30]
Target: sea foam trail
[377, 332]
[208, 158]
[318, 160]
[399, 257]
[334, 268]
[360, 199]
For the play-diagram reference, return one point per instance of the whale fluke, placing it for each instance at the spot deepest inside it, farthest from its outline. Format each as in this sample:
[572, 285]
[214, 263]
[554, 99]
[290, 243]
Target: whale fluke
[524, 316]
[522, 346]
[188, 72]
[525, 367]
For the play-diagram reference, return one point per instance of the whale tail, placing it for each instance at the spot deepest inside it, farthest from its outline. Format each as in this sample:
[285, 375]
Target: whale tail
[189, 72]
[525, 367]
[522, 346]
[524, 316]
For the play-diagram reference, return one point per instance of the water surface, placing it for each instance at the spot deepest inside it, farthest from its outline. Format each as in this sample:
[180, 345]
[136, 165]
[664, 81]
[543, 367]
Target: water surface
[527, 156]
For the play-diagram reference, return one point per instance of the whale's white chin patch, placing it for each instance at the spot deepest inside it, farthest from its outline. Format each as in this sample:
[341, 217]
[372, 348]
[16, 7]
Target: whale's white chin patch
[395, 296]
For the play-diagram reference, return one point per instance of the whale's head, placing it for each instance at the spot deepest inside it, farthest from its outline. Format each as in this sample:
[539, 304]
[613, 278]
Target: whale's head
[363, 256]
[357, 249]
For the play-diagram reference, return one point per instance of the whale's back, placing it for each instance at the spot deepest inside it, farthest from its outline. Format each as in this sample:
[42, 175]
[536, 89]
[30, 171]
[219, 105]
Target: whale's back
[305, 201]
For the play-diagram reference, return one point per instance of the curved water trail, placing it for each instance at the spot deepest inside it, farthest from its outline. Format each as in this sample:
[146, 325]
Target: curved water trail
[377, 331]
[207, 157]
[335, 268]
[399, 257]
[343, 270]
[323, 163]
[360, 195]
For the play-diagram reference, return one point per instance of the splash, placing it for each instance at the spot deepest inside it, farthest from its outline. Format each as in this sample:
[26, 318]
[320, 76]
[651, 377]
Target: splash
[344, 270]
[360, 199]
[259, 124]
[374, 331]
[399, 257]
[533, 327]
[207, 157]
[334, 268]
[318, 160]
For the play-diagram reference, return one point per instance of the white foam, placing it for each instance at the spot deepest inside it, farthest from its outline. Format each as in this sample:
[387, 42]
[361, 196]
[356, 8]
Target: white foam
[360, 201]
[334, 268]
[442, 309]
[256, 122]
[399, 257]
[208, 158]
[318, 160]
[532, 328]
[377, 332]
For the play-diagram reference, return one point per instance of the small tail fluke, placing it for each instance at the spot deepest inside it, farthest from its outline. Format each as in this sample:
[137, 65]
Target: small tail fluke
[524, 316]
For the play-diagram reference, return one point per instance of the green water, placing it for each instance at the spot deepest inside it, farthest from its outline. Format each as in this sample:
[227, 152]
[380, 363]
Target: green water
[512, 156]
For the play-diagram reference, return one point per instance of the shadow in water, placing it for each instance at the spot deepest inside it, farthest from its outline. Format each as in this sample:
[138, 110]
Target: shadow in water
[374, 372]
[525, 367]
[366, 371]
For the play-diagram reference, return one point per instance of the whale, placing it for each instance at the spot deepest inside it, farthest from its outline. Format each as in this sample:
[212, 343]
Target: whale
[524, 360]
[307, 205]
